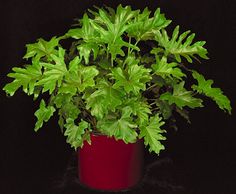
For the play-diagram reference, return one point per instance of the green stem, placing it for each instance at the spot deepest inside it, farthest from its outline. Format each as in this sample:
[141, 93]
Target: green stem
[184, 67]
[134, 45]
[153, 103]
[152, 86]
[107, 53]
[90, 118]
[129, 47]
[153, 73]
[194, 93]
[157, 108]
[112, 61]
[152, 99]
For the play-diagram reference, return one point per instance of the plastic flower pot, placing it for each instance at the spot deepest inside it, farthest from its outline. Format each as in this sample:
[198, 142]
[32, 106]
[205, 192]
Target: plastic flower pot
[110, 165]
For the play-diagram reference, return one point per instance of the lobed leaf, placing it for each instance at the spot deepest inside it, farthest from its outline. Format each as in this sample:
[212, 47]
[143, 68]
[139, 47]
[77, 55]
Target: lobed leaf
[164, 108]
[80, 78]
[105, 98]
[75, 133]
[135, 80]
[111, 29]
[53, 73]
[24, 77]
[176, 47]
[204, 87]
[85, 51]
[144, 27]
[42, 48]
[165, 69]
[121, 128]
[86, 32]
[140, 109]
[181, 97]
[43, 114]
[152, 134]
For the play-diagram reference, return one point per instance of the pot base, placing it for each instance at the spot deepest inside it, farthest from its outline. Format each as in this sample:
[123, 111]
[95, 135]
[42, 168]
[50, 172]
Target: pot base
[110, 165]
[87, 187]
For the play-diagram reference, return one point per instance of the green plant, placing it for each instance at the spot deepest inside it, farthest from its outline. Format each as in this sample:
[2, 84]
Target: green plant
[123, 76]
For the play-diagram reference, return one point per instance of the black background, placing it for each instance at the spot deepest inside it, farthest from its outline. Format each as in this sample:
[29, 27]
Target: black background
[202, 153]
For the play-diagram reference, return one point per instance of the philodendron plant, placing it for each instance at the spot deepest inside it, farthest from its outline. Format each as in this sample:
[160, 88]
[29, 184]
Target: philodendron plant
[123, 75]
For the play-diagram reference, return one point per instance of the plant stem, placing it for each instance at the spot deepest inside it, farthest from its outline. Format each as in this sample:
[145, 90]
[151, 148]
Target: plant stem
[129, 47]
[184, 67]
[153, 73]
[153, 103]
[134, 45]
[152, 99]
[157, 108]
[90, 117]
[194, 93]
[112, 61]
[152, 86]
[107, 53]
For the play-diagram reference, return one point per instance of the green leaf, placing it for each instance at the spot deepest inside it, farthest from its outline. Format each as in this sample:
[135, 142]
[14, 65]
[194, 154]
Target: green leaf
[90, 38]
[115, 23]
[152, 134]
[68, 88]
[67, 105]
[85, 50]
[115, 48]
[70, 110]
[204, 87]
[74, 64]
[121, 128]
[175, 46]
[75, 33]
[86, 32]
[123, 16]
[43, 114]
[105, 98]
[184, 113]
[141, 109]
[42, 48]
[75, 133]
[12, 87]
[111, 29]
[97, 109]
[165, 69]
[164, 108]
[130, 60]
[147, 59]
[135, 80]
[80, 77]
[144, 27]
[181, 97]
[53, 73]
[25, 77]
[60, 99]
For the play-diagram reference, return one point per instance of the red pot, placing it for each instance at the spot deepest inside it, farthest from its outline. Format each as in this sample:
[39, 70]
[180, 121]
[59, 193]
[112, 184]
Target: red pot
[110, 165]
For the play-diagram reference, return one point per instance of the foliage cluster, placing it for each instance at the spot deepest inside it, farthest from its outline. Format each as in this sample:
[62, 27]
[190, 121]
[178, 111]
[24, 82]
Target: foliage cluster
[123, 76]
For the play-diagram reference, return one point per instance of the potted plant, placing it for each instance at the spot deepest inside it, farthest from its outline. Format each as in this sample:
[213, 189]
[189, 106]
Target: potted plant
[114, 88]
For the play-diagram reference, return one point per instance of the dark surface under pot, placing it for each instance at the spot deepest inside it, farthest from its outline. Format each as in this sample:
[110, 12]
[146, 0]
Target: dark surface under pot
[158, 178]
[182, 174]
